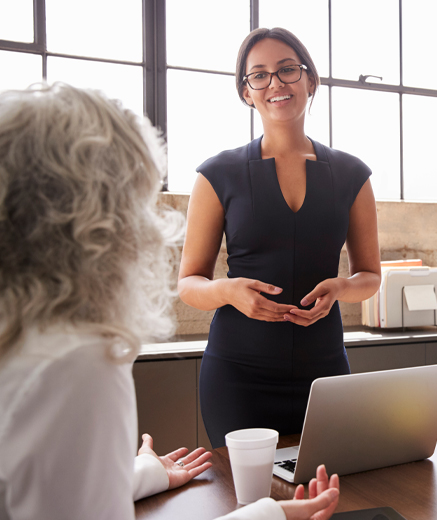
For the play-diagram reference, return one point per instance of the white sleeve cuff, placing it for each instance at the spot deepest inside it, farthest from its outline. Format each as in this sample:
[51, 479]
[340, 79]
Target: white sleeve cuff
[150, 476]
[264, 509]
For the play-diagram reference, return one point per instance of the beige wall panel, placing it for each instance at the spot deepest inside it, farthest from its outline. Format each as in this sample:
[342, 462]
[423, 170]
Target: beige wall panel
[167, 403]
[406, 230]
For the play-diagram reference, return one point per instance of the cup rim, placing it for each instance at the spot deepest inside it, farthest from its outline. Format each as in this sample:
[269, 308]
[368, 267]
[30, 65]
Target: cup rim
[255, 438]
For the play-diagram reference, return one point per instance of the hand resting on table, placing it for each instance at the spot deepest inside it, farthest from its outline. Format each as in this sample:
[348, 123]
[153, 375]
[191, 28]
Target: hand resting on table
[195, 462]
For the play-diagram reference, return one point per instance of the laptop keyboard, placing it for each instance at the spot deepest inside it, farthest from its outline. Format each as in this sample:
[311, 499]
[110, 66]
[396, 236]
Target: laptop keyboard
[288, 465]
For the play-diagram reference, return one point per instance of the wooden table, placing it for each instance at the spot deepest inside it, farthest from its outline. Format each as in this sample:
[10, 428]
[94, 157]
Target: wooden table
[411, 489]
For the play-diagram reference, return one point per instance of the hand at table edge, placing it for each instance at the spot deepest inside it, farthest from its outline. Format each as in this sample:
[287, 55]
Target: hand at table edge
[192, 464]
[322, 501]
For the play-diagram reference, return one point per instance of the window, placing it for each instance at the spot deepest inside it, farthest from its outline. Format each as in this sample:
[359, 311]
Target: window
[16, 21]
[366, 124]
[175, 61]
[204, 114]
[87, 43]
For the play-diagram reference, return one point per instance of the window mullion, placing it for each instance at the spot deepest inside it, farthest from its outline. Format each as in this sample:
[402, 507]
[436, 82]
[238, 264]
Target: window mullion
[154, 50]
[39, 24]
[330, 73]
[254, 24]
[401, 99]
[155, 65]
[254, 14]
[161, 67]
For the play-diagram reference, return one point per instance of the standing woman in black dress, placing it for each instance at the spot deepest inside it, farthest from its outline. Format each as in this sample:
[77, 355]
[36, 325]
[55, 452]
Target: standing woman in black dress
[286, 204]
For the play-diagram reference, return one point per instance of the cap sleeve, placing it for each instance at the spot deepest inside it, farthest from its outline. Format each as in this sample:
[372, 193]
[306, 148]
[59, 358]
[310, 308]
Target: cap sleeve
[224, 173]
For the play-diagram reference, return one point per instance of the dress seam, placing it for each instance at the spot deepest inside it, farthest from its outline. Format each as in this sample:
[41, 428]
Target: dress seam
[292, 324]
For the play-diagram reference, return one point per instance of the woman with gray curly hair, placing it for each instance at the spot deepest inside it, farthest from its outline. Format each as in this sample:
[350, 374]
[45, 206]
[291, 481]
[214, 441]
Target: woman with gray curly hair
[85, 262]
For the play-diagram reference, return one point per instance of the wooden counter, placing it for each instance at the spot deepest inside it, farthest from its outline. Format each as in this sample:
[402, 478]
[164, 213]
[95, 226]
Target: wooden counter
[410, 489]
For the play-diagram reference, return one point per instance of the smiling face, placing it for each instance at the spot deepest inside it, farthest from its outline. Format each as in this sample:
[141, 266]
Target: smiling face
[279, 101]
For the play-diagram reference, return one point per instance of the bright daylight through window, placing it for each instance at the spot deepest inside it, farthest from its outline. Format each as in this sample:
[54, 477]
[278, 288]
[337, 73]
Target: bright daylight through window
[175, 61]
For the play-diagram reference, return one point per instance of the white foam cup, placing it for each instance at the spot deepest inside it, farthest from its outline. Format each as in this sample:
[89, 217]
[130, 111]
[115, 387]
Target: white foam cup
[252, 454]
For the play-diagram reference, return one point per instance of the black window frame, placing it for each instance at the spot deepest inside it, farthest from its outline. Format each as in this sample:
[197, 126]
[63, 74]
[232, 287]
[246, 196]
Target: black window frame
[155, 66]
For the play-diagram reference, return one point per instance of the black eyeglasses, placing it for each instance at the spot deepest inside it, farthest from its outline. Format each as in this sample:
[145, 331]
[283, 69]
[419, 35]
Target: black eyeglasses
[262, 79]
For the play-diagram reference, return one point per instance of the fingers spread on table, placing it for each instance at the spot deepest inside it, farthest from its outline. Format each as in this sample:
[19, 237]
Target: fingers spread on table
[199, 469]
[177, 454]
[196, 458]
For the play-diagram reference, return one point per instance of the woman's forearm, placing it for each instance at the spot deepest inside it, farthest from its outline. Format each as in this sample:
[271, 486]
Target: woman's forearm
[246, 295]
[358, 287]
[203, 294]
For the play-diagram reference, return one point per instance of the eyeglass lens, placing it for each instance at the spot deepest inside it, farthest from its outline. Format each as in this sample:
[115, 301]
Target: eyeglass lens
[262, 79]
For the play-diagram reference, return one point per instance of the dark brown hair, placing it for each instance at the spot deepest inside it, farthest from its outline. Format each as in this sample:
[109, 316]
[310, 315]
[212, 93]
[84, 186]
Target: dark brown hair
[282, 35]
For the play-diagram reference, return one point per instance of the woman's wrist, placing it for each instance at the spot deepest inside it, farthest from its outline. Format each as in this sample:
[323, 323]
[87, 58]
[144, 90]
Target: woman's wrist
[223, 287]
[359, 287]
[342, 287]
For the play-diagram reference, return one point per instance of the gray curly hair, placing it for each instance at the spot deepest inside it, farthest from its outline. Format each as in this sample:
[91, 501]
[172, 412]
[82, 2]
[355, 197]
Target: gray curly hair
[81, 239]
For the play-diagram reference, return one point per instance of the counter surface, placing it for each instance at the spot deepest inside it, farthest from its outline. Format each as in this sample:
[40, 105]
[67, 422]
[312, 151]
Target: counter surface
[194, 346]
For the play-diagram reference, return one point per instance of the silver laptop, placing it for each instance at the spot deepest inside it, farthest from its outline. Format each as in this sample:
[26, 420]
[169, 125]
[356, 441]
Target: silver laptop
[360, 422]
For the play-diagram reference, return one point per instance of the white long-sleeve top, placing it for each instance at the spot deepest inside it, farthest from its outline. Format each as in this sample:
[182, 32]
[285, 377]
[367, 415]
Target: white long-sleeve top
[68, 435]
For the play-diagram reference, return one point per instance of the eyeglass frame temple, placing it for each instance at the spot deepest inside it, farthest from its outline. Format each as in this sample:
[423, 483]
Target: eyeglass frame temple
[301, 67]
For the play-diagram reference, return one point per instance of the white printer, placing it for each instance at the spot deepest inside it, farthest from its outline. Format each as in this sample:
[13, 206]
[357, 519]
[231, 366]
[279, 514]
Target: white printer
[407, 297]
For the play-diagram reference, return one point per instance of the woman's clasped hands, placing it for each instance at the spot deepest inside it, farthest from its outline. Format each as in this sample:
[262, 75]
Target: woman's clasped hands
[325, 294]
[247, 296]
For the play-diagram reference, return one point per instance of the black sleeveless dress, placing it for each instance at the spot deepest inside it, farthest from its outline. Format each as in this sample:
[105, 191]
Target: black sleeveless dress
[256, 373]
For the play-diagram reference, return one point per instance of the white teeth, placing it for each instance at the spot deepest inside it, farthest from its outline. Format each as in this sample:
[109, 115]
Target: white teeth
[278, 98]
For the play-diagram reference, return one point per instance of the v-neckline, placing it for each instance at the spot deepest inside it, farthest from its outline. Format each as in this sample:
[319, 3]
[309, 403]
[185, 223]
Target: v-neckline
[278, 184]
[282, 193]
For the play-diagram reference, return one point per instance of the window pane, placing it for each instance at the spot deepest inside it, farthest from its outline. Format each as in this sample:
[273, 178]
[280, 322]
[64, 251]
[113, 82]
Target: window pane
[258, 125]
[419, 43]
[420, 173]
[316, 122]
[124, 82]
[365, 39]
[206, 35]
[298, 17]
[366, 124]
[205, 116]
[16, 20]
[98, 28]
[18, 70]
